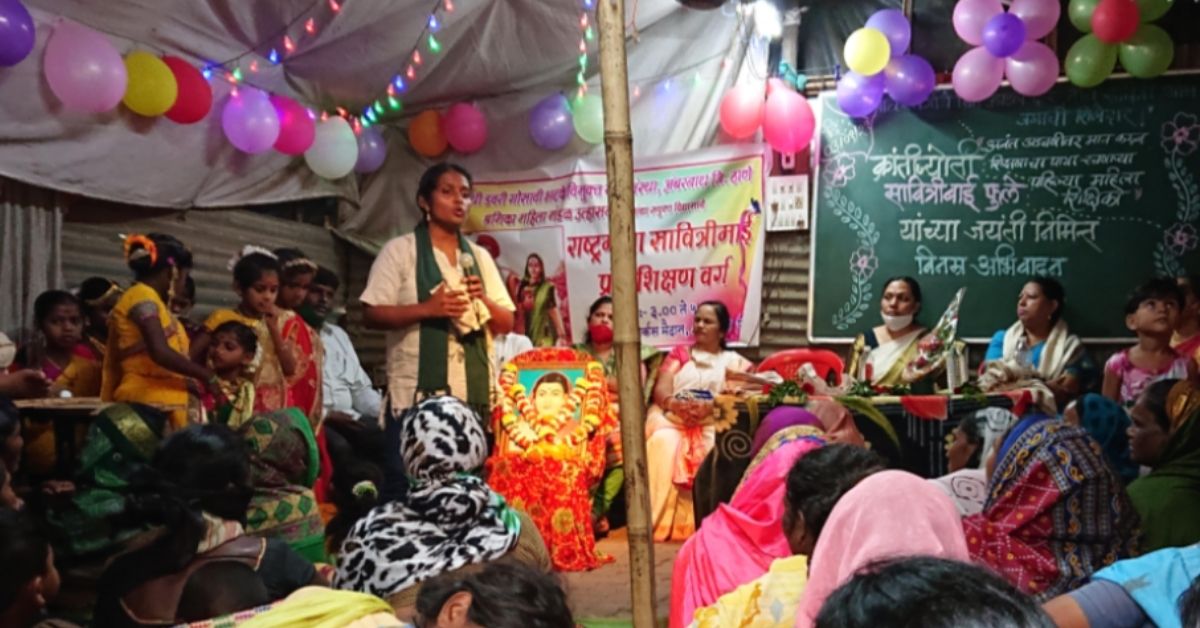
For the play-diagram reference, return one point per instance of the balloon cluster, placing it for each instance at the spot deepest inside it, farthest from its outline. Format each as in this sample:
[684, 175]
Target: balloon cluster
[1118, 29]
[462, 127]
[786, 118]
[879, 64]
[1005, 45]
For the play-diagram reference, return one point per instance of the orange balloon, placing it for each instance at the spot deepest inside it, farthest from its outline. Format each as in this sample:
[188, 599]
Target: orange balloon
[425, 134]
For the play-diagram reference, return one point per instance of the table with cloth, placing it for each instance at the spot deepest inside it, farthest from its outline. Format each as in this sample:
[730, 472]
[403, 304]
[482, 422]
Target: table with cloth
[908, 431]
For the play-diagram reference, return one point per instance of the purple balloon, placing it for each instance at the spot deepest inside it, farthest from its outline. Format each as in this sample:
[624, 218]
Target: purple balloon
[372, 150]
[550, 123]
[859, 95]
[909, 80]
[250, 121]
[1003, 34]
[894, 26]
[16, 32]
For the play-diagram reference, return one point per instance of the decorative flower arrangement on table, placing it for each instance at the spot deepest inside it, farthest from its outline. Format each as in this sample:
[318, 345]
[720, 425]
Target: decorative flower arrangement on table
[936, 346]
[559, 435]
[700, 408]
[789, 392]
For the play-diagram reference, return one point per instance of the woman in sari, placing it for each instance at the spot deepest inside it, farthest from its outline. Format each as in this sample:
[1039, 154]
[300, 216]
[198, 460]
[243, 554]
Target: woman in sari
[538, 306]
[967, 455]
[1165, 436]
[1107, 422]
[675, 447]
[1055, 511]
[99, 296]
[284, 460]
[1041, 342]
[828, 415]
[881, 355]
[147, 356]
[304, 386]
[1132, 593]
[738, 541]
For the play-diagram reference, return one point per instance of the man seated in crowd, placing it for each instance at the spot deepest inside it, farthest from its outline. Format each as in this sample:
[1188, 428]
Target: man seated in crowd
[347, 388]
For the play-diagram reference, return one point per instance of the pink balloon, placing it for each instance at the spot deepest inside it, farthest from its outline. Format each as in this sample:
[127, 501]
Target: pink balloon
[788, 121]
[1040, 16]
[296, 129]
[977, 75]
[742, 111]
[774, 84]
[250, 121]
[1033, 69]
[971, 15]
[465, 128]
[83, 69]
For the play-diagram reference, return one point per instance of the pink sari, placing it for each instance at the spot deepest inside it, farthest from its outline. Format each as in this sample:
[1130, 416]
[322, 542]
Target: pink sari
[738, 541]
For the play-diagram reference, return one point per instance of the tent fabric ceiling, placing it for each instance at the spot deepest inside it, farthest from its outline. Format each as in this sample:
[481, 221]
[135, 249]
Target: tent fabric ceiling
[504, 55]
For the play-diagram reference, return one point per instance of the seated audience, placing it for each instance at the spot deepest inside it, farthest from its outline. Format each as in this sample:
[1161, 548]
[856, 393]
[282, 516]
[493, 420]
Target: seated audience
[199, 493]
[99, 295]
[1040, 342]
[499, 596]
[1131, 593]
[232, 352]
[1186, 339]
[829, 416]
[966, 457]
[1107, 423]
[448, 520]
[59, 350]
[674, 450]
[890, 514]
[1055, 512]
[181, 306]
[220, 588]
[1151, 313]
[28, 579]
[880, 355]
[321, 606]
[815, 483]
[738, 541]
[346, 387]
[1165, 437]
[931, 593]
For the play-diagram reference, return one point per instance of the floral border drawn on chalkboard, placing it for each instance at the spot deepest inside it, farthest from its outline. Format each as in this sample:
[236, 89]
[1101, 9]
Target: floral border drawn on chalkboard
[863, 262]
[1180, 139]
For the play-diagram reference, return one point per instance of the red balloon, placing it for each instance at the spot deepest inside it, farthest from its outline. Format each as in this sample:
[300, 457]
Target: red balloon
[788, 121]
[296, 129]
[1115, 21]
[741, 111]
[195, 94]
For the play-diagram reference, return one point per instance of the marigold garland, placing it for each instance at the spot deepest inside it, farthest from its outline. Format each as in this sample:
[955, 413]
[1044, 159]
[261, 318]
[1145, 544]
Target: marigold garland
[530, 432]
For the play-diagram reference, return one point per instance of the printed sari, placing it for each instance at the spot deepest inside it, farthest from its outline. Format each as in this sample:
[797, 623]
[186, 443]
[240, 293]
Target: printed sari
[270, 387]
[303, 388]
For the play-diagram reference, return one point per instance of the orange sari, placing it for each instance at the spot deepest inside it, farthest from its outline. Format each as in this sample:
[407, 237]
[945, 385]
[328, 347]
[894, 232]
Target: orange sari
[304, 388]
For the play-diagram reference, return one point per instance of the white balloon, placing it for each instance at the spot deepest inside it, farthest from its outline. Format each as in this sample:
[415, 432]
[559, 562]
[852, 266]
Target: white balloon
[334, 150]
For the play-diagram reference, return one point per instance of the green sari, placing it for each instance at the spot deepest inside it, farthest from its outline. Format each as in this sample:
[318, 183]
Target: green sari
[120, 443]
[1168, 499]
[284, 463]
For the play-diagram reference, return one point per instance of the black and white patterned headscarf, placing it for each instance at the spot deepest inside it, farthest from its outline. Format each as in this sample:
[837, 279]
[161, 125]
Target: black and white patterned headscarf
[448, 519]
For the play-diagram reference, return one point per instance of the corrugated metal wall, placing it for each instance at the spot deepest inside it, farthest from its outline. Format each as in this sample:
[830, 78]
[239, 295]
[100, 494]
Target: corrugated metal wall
[785, 292]
[94, 248]
[370, 344]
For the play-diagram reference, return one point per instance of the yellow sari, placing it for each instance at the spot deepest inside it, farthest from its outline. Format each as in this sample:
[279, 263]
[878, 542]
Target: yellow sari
[81, 376]
[270, 386]
[130, 374]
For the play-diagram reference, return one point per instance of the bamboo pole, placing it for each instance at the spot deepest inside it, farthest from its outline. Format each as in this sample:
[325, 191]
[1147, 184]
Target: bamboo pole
[618, 152]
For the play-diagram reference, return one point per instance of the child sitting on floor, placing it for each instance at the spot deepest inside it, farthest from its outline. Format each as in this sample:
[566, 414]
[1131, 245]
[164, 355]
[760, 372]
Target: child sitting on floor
[232, 354]
[1151, 313]
[29, 580]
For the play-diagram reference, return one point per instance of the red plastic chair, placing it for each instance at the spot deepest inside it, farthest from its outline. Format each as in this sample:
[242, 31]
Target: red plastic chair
[829, 365]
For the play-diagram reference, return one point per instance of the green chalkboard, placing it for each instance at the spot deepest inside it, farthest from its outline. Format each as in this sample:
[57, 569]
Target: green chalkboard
[1099, 188]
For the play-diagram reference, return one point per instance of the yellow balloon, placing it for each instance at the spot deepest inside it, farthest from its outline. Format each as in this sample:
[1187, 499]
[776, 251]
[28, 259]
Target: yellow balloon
[151, 89]
[867, 51]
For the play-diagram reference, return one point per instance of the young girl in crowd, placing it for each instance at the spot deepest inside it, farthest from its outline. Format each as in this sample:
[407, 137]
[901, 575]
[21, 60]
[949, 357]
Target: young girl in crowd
[304, 385]
[61, 354]
[99, 295]
[1151, 313]
[256, 281]
[231, 354]
[146, 360]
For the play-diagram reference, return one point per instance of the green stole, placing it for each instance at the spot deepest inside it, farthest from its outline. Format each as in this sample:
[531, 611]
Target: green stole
[432, 373]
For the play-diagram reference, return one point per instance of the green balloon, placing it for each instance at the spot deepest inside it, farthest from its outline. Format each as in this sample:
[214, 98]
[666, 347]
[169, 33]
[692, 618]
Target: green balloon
[1151, 10]
[588, 115]
[1090, 61]
[1148, 53]
[1080, 12]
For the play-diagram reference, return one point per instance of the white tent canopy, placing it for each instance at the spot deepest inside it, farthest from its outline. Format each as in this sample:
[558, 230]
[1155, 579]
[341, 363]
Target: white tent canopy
[502, 55]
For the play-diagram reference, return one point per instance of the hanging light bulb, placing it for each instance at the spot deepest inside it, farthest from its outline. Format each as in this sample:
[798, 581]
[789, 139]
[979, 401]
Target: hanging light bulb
[588, 34]
[288, 44]
[312, 115]
[583, 20]
[234, 92]
[393, 104]
[411, 73]
[311, 26]
[398, 83]
[324, 116]
[358, 126]
[334, 6]
[378, 107]
[582, 45]
[237, 75]
[254, 66]
[207, 72]
[449, 5]
[273, 57]
[637, 91]
[433, 24]
[342, 112]
[434, 46]
[588, 4]
[416, 57]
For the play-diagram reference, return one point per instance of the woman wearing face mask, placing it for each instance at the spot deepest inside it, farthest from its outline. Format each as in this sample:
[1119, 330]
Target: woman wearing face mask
[880, 355]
